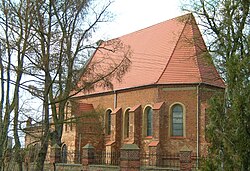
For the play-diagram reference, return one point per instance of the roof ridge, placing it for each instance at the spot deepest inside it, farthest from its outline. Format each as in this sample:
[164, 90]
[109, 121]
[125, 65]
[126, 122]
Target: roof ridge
[175, 18]
[172, 52]
[195, 46]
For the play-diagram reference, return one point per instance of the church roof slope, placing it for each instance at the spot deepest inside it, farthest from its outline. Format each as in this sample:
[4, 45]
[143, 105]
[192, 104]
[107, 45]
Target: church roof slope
[190, 61]
[171, 52]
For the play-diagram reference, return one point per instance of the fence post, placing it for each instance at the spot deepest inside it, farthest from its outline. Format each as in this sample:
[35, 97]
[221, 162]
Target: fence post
[130, 158]
[88, 154]
[185, 159]
[154, 153]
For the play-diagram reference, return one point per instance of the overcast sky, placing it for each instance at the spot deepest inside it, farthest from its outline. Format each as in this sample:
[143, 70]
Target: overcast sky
[132, 15]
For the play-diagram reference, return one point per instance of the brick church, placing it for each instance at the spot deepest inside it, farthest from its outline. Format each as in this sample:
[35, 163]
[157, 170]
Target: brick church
[161, 99]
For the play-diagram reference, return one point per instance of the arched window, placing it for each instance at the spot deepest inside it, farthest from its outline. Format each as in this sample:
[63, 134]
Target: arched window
[64, 153]
[126, 124]
[177, 126]
[148, 120]
[108, 122]
[66, 116]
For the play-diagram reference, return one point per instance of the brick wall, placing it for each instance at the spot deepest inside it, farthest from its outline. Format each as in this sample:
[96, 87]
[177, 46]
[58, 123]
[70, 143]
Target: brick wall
[186, 96]
[206, 93]
[183, 94]
[124, 100]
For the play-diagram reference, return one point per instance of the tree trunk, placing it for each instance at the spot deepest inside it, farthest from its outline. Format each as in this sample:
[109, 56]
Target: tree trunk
[45, 136]
[42, 155]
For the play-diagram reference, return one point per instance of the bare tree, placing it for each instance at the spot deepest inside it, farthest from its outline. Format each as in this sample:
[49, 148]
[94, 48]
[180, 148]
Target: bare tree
[14, 43]
[58, 51]
[48, 42]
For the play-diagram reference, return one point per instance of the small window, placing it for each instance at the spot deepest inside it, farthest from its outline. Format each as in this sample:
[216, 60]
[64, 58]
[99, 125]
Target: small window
[108, 122]
[148, 120]
[67, 115]
[177, 120]
[206, 124]
[64, 153]
[126, 124]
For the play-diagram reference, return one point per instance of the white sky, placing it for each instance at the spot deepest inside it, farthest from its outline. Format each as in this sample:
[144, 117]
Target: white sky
[132, 15]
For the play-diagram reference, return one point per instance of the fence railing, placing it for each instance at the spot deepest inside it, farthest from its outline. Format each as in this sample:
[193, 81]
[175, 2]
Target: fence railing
[146, 159]
[71, 157]
[195, 161]
[103, 157]
[163, 160]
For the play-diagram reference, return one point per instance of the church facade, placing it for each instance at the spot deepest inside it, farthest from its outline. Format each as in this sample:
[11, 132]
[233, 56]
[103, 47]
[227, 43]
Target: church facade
[160, 101]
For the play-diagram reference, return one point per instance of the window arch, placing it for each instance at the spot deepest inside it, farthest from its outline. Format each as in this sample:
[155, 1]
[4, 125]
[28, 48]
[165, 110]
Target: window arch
[148, 121]
[177, 120]
[126, 123]
[67, 115]
[64, 153]
[108, 122]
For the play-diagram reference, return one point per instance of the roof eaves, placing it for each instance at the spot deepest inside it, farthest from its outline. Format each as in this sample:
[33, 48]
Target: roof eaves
[140, 87]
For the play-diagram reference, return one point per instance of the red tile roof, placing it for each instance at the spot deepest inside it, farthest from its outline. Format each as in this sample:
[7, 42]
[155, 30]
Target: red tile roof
[134, 108]
[153, 144]
[157, 106]
[171, 52]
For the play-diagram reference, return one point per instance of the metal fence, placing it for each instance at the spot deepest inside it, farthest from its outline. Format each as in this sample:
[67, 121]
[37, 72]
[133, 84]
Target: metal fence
[163, 160]
[71, 157]
[105, 158]
[146, 159]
